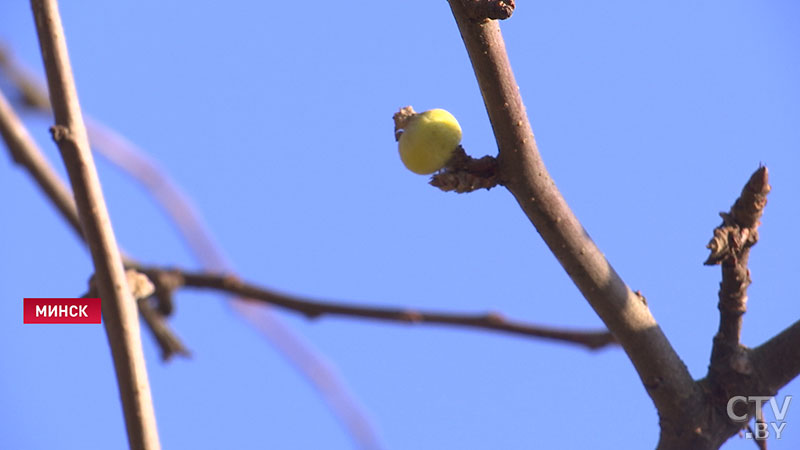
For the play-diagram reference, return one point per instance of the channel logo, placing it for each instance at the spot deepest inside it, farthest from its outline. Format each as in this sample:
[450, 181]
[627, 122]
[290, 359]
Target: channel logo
[61, 310]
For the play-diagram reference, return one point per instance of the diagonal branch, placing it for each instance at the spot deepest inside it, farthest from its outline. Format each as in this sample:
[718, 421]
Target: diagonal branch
[522, 171]
[119, 309]
[312, 309]
[25, 153]
[777, 361]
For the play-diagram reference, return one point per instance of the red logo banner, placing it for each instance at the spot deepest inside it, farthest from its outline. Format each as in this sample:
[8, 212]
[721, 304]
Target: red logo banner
[62, 310]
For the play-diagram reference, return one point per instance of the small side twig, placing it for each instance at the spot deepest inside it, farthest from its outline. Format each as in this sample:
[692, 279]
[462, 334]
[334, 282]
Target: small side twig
[466, 174]
[120, 318]
[313, 309]
[730, 247]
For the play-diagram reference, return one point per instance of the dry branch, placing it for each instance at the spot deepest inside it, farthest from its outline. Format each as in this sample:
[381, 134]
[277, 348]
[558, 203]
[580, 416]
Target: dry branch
[119, 310]
[315, 308]
[20, 143]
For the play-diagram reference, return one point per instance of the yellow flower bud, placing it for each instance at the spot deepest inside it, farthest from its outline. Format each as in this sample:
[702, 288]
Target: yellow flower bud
[428, 141]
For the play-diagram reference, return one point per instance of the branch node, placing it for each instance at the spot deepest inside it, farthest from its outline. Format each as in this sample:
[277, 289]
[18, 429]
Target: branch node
[466, 174]
[60, 133]
[739, 228]
[489, 9]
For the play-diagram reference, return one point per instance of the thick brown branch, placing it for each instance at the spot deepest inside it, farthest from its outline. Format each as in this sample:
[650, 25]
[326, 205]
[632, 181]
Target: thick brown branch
[522, 171]
[119, 310]
[314, 308]
[777, 361]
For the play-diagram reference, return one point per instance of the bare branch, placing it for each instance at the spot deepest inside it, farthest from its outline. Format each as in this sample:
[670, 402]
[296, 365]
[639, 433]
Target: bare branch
[730, 247]
[119, 309]
[735, 369]
[313, 309]
[20, 143]
[167, 341]
[522, 171]
[777, 361]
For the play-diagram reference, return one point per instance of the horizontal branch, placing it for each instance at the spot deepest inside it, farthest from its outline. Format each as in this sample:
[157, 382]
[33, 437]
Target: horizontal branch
[173, 279]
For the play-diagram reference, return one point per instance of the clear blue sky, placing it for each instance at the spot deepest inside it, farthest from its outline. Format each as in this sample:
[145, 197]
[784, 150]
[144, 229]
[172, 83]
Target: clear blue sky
[649, 115]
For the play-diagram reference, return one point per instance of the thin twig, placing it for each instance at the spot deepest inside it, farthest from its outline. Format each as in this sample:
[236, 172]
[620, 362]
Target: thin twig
[20, 143]
[119, 309]
[313, 309]
[522, 171]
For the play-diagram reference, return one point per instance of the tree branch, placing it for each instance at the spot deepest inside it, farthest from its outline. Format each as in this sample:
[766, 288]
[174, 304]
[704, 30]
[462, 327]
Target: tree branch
[730, 247]
[121, 321]
[777, 361]
[522, 171]
[19, 143]
[312, 309]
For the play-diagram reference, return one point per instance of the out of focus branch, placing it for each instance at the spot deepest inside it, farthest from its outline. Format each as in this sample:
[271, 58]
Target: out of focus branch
[20, 143]
[121, 152]
[26, 153]
[121, 321]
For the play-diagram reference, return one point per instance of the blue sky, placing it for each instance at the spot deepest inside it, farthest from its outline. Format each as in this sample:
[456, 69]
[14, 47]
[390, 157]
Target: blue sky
[650, 116]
